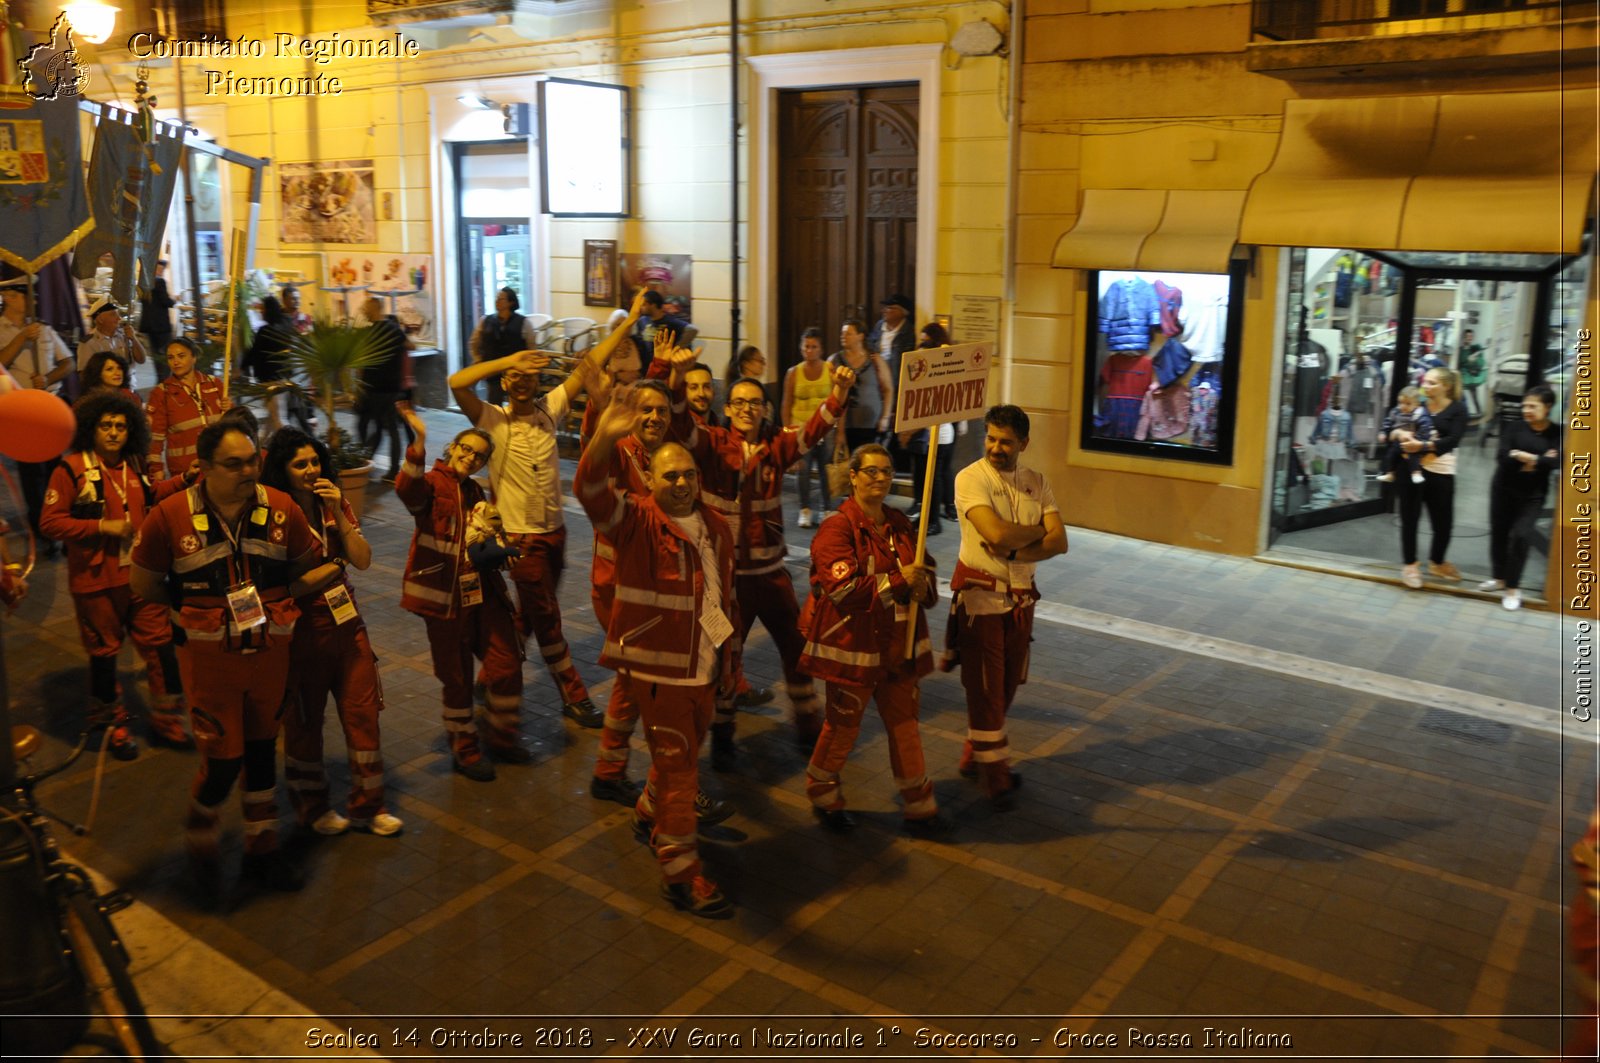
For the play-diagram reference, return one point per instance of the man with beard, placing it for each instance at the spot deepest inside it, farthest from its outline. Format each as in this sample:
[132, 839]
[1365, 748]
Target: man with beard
[1009, 523]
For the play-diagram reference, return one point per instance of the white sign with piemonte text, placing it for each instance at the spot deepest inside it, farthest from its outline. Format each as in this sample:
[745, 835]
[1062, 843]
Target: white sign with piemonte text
[942, 385]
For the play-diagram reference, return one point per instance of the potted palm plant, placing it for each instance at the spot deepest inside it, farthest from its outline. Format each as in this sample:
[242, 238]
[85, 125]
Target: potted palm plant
[330, 358]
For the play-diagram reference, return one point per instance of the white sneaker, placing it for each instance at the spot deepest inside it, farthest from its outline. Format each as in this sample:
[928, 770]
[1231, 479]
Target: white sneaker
[1512, 600]
[1417, 478]
[1411, 576]
[805, 518]
[330, 822]
[1492, 585]
[1387, 478]
[383, 824]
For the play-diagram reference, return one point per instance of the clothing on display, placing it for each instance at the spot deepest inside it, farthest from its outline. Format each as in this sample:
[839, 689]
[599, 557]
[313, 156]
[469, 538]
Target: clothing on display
[1171, 362]
[1205, 392]
[1165, 413]
[1335, 425]
[1128, 311]
[1205, 328]
[1125, 378]
[1170, 301]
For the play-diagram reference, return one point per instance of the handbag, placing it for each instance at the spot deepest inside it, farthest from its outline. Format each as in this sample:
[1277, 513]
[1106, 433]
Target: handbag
[838, 470]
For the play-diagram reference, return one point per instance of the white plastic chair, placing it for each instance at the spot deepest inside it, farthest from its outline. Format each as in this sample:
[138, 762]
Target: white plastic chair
[578, 334]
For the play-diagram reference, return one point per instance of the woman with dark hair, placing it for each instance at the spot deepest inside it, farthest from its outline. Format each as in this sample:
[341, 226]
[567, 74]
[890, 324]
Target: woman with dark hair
[180, 406]
[867, 416]
[98, 497]
[331, 652]
[863, 582]
[1529, 451]
[500, 335]
[106, 370]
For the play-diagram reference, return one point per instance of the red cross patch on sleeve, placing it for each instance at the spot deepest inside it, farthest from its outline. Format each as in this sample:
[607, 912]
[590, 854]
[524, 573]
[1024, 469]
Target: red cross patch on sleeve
[841, 569]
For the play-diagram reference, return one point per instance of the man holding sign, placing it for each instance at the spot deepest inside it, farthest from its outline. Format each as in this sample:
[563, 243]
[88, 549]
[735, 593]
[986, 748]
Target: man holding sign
[1009, 523]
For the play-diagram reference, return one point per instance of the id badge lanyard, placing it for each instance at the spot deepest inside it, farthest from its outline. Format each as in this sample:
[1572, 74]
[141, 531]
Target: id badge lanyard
[245, 610]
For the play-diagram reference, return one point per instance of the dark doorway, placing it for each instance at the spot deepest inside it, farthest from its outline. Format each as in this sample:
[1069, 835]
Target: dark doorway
[847, 207]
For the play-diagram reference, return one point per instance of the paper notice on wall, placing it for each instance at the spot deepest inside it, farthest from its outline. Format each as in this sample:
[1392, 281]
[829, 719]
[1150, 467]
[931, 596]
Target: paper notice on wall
[975, 318]
[943, 384]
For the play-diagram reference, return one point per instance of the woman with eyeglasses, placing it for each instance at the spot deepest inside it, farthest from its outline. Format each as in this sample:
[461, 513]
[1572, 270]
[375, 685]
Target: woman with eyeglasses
[466, 608]
[330, 652]
[863, 584]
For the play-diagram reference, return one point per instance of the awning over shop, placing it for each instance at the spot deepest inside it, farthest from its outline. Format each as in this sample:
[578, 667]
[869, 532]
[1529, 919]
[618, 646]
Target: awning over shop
[1182, 230]
[1506, 172]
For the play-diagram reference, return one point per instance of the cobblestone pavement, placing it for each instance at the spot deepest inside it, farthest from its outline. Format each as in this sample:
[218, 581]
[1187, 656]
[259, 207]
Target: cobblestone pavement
[1278, 804]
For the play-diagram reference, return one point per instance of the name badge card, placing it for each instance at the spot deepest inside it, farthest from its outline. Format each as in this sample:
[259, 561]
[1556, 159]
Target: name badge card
[339, 603]
[471, 588]
[245, 610]
[717, 626]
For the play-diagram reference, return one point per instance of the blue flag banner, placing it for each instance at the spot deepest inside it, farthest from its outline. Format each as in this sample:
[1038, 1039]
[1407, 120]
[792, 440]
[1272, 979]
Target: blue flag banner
[165, 150]
[41, 180]
[119, 173]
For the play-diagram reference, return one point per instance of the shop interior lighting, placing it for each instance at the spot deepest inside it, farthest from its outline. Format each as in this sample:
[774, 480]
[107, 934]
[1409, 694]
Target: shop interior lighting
[472, 99]
[91, 20]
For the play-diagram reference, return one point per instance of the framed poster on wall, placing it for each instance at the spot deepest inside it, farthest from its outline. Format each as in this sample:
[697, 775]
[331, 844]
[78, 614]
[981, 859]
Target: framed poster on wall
[671, 275]
[327, 202]
[600, 273]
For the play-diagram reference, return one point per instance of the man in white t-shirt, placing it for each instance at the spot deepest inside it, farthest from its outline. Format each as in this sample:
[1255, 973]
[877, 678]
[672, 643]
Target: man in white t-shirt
[1009, 523]
[525, 473]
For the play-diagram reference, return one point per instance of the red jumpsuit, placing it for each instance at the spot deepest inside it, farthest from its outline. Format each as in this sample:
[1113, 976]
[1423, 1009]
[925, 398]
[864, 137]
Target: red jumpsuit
[326, 657]
[654, 641]
[629, 463]
[234, 676]
[82, 491]
[855, 630]
[439, 503]
[177, 411]
[744, 483]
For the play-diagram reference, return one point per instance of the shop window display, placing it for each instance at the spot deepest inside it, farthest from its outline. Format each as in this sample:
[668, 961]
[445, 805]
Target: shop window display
[1162, 378]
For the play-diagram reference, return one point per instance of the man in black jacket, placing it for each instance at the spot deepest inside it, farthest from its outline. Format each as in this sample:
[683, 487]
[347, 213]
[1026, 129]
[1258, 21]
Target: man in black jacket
[383, 385]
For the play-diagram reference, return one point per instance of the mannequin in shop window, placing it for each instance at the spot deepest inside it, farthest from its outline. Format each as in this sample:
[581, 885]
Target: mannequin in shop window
[1334, 423]
[1130, 317]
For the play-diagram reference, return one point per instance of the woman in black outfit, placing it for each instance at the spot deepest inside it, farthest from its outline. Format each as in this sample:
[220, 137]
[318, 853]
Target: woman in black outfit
[1529, 451]
[1437, 491]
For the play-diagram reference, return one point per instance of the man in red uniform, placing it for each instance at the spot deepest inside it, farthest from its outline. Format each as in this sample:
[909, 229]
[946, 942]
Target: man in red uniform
[98, 497]
[226, 555]
[467, 611]
[525, 474]
[741, 470]
[672, 636]
[1009, 523]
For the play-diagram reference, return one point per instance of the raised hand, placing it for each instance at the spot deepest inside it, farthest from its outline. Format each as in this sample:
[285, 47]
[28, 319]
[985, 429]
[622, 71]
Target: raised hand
[413, 421]
[844, 378]
[638, 304]
[326, 490]
[621, 416]
[528, 362]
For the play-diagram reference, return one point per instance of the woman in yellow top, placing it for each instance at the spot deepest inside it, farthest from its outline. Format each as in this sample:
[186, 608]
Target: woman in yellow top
[805, 387]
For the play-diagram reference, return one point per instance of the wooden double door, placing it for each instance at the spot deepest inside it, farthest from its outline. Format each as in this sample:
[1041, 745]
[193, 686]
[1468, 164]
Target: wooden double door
[847, 208]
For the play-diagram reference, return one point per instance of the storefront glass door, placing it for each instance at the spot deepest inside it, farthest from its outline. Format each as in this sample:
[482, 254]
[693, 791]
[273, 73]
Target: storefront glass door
[1361, 329]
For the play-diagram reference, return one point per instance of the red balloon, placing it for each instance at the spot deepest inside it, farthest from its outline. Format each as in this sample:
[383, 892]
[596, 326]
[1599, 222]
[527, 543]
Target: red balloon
[34, 425]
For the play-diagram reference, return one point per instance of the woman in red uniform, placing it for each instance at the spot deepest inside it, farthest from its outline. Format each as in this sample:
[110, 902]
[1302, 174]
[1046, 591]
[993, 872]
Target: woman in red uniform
[98, 497]
[182, 404]
[863, 582]
[331, 652]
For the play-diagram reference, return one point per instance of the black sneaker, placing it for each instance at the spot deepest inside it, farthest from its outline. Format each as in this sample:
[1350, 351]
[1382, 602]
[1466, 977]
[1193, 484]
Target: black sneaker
[699, 897]
[622, 791]
[708, 810]
[835, 819]
[273, 871]
[753, 697]
[642, 828]
[583, 713]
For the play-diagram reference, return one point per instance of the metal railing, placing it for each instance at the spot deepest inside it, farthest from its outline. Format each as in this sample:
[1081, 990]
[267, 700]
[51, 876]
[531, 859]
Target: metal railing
[1303, 20]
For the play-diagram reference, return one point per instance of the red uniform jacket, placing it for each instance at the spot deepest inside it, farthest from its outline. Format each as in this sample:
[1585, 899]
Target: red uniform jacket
[629, 463]
[854, 622]
[440, 503]
[330, 544]
[177, 414]
[184, 540]
[744, 482]
[82, 492]
[659, 582]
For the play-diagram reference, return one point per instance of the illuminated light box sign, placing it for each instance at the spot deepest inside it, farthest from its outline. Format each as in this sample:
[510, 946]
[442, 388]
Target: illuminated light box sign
[584, 149]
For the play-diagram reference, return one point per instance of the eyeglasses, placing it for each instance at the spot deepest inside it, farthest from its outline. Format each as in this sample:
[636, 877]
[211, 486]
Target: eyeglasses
[747, 404]
[478, 456]
[876, 472]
